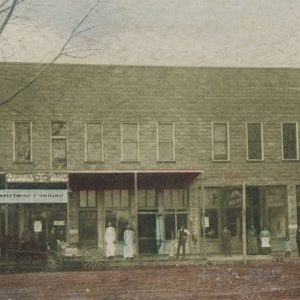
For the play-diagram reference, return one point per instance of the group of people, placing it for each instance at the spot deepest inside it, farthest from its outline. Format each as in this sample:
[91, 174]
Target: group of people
[110, 239]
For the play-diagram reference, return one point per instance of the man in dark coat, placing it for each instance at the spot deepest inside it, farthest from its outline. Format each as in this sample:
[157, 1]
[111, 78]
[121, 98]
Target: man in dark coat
[182, 237]
[226, 241]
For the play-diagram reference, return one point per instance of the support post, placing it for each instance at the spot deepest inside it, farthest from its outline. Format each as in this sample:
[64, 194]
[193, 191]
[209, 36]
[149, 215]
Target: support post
[203, 218]
[136, 213]
[244, 223]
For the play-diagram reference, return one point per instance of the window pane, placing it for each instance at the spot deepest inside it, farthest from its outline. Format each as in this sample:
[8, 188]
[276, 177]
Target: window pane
[166, 151]
[108, 198]
[220, 132]
[93, 132]
[254, 141]
[59, 129]
[88, 227]
[220, 151]
[170, 230]
[94, 151]
[129, 132]
[151, 198]
[59, 157]
[83, 198]
[130, 152]
[167, 198]
[165, 132]
[124, 198]
[22, 132]
[289, 133]
[91, 198]
[142, 198]
[116, 198]
[22, 141]
[176, 200]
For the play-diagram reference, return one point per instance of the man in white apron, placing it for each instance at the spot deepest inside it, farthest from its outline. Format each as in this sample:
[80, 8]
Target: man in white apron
[128, 243]
[265, 237]
[110, 241]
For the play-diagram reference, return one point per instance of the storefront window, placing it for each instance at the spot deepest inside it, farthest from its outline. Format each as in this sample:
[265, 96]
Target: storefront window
[173, 220]
[119, 219]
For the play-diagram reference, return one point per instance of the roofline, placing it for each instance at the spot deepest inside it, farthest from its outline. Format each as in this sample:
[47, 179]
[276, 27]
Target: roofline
[165, 171]
[154, 66]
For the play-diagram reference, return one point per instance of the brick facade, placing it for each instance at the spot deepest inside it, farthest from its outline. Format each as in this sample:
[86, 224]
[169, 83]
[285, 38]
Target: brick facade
[191, 98]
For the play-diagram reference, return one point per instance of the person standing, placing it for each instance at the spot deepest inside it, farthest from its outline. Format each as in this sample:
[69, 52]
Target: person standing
[226, 241]
[52, 239]
[110, 241]
[183, 234]
[128, 242]
[287, 247]
[265, 238]
[298, 240]
[252, 240]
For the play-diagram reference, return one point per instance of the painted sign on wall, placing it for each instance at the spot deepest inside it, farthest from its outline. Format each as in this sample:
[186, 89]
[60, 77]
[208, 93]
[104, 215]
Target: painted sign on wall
[33, 196]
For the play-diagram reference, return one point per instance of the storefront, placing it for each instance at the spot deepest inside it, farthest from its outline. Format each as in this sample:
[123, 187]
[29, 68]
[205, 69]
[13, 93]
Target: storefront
[154, 203]
[35, 202]
[265, 206]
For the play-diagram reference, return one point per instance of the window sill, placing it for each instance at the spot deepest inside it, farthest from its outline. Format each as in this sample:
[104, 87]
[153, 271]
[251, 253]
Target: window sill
[291, 159]
[23, 162]
[94, 162]
[255, 160]
[130, 161]
[166, 161]
[221, 160]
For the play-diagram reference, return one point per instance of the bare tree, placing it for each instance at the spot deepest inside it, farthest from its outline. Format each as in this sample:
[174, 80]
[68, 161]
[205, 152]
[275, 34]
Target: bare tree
[8, 8]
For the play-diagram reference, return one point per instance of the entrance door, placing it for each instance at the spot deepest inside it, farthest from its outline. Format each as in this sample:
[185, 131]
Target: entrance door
[147, 233]
[254, 208]
[88, 228]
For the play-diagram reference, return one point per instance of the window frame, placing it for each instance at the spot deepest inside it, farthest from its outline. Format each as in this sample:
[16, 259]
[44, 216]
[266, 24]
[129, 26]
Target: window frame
[137, 142]
[228, 142]
[86, 142]
[262, 142]
[14, 143]
[158, 141]
[58, 138]
[297, 142]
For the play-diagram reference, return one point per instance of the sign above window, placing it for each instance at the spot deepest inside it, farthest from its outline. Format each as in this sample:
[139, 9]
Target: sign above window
[33, 196]
[37, 177]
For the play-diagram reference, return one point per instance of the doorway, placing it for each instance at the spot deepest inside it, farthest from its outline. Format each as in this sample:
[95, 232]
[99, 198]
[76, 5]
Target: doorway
[147, 233]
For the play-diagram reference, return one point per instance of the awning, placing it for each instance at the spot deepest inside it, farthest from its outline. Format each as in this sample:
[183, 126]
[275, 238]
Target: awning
[10, 196]
[124, 179]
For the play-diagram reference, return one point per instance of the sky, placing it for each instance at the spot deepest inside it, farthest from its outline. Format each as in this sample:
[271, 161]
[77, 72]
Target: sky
[246, 33]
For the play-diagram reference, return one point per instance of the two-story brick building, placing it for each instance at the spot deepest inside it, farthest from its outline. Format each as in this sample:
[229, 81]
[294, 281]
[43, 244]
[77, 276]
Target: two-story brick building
[83, 145]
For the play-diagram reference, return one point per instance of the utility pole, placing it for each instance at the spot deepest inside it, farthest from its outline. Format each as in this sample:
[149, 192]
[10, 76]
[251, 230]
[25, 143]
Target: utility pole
[244, 223]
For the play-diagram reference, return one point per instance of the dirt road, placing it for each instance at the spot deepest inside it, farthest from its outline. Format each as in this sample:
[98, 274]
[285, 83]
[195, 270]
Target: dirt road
[263, 281]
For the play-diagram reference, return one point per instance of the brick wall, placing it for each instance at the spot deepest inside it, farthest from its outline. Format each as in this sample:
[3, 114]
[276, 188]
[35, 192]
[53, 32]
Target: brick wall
[192, 98]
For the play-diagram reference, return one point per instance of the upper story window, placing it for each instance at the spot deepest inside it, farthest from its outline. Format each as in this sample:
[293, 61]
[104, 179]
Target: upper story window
[289, 140]
[59, 145]
[129, 142]
[220, 138]
[165, 141]
[255, 141]
[93, 142]
[22, 142]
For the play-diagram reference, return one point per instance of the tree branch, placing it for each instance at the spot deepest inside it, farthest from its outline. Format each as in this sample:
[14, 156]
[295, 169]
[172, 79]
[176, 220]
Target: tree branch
[54, 59]
[8, 16]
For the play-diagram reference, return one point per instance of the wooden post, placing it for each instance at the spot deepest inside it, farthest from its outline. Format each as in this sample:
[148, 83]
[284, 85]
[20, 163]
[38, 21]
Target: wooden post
[244, 223]
[203, 217]
[136, 213]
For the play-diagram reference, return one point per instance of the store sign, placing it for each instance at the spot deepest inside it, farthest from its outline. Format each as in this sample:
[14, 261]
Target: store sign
[235, 198]
[33, 196]
[37, 177]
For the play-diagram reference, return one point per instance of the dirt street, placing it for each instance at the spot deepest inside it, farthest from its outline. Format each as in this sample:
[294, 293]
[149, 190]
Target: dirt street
[261, 281]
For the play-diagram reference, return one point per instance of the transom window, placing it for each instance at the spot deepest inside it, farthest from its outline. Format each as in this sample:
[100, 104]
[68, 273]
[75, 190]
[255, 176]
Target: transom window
[254, 141]
[289, 140]
[165, 141]
[220, 141]
[22, 142]
[87, 198]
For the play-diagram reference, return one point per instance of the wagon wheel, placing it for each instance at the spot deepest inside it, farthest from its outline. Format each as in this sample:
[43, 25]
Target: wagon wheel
[53, 262]
[94, 259]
